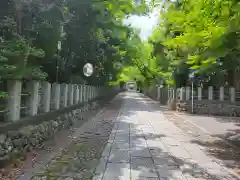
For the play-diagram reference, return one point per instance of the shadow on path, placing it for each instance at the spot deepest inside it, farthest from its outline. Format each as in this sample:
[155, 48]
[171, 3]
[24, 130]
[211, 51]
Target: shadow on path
[149, 161]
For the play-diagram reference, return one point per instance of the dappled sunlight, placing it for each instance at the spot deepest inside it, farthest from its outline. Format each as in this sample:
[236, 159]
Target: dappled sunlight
[144, 144]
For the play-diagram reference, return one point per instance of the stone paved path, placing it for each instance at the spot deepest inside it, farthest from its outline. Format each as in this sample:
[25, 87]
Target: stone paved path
[78, 158]
[144, 145]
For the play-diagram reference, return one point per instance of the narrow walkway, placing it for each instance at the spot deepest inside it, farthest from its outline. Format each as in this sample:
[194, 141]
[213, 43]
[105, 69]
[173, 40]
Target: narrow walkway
[144, 145]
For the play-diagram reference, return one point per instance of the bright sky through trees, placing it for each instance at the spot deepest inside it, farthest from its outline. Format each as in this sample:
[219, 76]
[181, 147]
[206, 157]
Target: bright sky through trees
[146, 23]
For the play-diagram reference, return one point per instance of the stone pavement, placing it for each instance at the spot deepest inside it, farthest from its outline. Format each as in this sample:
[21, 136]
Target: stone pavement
[144, 145]
[73, 154]
[213, 139]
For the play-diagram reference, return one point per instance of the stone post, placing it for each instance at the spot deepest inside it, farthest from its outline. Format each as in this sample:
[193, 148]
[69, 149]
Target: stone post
[173, 93]
[232, 94]
[199, 93]
[210, 93]
[87, 92]
[33, 87]
[181, 93]
[80, 93]
[46, 96]
[221, 93]
[84, 92]
[188, 90]
[168, 90]
[76, 94]
[158, 93]
[90, 92]
[82, 87]
[85, 96]
[56, 95]
[14, 99]
[70, 94]
[64, 100]
[94, 89]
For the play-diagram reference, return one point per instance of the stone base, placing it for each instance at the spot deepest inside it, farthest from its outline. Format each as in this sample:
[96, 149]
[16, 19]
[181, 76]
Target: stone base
[16, 143]
[208, 107]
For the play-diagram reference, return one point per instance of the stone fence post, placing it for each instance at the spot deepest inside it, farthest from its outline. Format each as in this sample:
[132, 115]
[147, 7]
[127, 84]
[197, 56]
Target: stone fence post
[232, 94]
[14, 99]
[82, 87]
[64, 95]
[93, 92]
[188, 90]
[199, 93]
[76, 94]
[158, 93]
[87, 91]
[84, 92]
[210, 93]
[90, 92]
[181, 93]
[33, 87]
[56, 96]
[46, 96]
[221, 93]
[70, 94]
[90, 87]
[80, 93]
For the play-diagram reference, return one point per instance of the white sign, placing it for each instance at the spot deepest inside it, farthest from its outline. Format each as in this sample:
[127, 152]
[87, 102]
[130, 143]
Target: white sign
[88, 69]
[59, 45]
[191, 75]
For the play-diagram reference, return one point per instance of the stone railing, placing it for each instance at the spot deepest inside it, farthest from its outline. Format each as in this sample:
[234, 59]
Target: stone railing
[34, 111]
[221, 101]
[221, 93]
[210, 107]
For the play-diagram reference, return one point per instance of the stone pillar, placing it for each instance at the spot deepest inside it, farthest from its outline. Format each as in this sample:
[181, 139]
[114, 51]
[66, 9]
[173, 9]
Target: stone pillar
[64, 97]
[33, 87]
[80, 93]
[14, 99]
[84, 92]
[188, 90]
[210, 93]
[232, 94]
[90, 92]
[181, 93]
[221, 93]
[70, 94]
[168, 90]
[199, 93]
[56, 95]
[76, 94]
[82, 87]
[94, 89]
[173, 93]
[85, 96]
[46, 96]
[87, 92]
[158, 93]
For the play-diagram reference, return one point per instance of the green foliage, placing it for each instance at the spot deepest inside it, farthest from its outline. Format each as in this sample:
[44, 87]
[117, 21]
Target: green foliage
[89, 31]
[201, 35]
